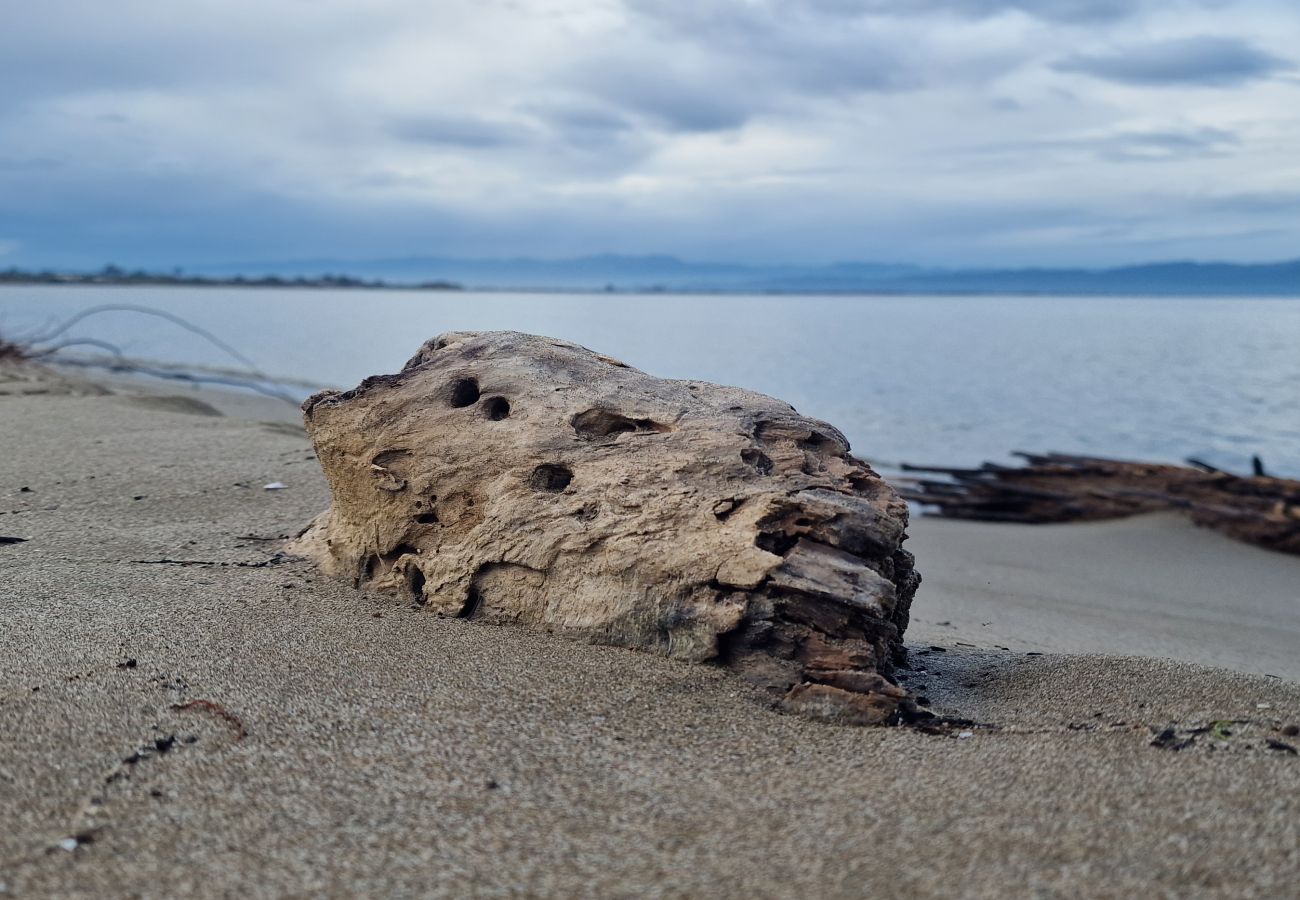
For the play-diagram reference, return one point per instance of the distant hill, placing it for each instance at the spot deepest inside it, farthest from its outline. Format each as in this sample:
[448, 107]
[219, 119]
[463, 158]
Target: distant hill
[628, 273]
[641, 273]
[668, 273]
[1174, 278]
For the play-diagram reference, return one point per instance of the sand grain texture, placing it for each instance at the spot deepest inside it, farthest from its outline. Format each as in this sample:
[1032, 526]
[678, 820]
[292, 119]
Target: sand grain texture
[393, 752]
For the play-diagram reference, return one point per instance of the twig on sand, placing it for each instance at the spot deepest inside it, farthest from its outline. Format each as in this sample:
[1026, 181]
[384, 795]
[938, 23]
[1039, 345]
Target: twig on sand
[275, 559]
[44, 346]
[64, 326]
[123, 364]
[217, 709]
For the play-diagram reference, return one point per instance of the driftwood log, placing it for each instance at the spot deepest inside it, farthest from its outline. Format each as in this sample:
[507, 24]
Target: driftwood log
[1057, 487]
[520, 479]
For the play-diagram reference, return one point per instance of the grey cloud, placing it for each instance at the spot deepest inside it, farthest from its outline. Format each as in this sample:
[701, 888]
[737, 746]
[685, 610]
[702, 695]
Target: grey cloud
[674, 97]
[597, 137]
[244, 130]
[1065, 11]
[1274, 203]
[1057, 10]
[1152, 146]
[552, 138]
[850, 65]
[75, 46]
[459, 131]
[588, 120]
[711, 65]
[1206, 61]
[29, 164]
[138, 219]
[585, 136]
[771, 44]
[1158, 145]
[679, 104]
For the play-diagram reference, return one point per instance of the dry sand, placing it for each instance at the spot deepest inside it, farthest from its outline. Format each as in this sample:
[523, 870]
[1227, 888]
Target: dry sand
[392, 753]
[1151, 586]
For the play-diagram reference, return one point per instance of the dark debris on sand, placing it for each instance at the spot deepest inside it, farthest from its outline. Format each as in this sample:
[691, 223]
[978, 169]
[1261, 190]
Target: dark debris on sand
[1057, 487]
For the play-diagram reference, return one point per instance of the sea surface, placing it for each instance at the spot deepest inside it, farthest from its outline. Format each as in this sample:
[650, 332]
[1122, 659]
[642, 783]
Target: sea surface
[937, 380]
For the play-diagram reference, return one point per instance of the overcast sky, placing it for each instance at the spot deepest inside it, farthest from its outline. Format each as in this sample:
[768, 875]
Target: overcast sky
[952, 132]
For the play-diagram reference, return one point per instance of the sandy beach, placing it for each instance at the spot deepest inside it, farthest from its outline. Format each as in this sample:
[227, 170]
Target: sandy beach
[183, 711]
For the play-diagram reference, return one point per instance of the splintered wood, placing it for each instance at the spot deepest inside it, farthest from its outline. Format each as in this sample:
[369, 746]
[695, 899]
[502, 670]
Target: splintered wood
[1057, 487]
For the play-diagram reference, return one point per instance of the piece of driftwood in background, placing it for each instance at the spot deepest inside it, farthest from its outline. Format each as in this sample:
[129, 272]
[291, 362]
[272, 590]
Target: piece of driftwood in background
[1057, 487]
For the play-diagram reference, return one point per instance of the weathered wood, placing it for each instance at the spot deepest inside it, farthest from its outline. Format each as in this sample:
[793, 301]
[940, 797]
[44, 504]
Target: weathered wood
[520, 479]
[1059, 487]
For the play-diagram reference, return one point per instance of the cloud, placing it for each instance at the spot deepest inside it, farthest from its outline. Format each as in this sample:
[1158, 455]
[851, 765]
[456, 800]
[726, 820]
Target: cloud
[1285, 202]
[1054, 10]
[1204, 61]
[471, 132]
[944, 131]
[31, 164]
[1165, 145]
[695, 66]
[1162, 145]
[1085, 12]
[670, 97]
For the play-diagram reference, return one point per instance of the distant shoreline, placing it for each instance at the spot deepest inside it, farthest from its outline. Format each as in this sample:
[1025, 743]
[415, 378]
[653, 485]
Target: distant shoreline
[112, 276]
[629, 291]
[954, 285]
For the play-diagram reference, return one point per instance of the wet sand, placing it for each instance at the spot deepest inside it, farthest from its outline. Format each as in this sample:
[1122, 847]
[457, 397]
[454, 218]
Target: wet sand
[181, 712]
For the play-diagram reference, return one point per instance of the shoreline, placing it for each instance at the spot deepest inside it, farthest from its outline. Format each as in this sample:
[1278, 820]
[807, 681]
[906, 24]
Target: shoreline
[651, 291]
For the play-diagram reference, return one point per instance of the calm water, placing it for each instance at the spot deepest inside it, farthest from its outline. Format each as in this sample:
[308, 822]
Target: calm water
[926, 379]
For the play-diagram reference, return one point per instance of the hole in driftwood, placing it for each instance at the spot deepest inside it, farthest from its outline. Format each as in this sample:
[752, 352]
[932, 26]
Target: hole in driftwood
[464, 392]
[777, 542]
[550, 478]
[497, 408]
[415, 583]
[759, 461]
[472, 602]
[386, 458]
[599, 423]
[724, 508]
[817, 441]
